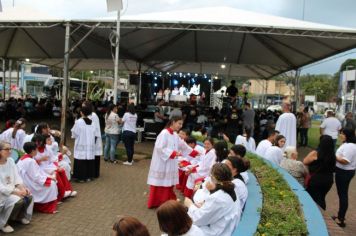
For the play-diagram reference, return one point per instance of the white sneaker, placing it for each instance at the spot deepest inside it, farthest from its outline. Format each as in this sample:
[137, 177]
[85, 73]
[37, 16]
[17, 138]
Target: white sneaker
[73, 193]
[7, 229]
[25, 221]
[67, 194]
[127, 163]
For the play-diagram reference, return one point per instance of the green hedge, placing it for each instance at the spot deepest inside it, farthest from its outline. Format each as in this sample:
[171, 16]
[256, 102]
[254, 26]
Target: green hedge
[281, 213]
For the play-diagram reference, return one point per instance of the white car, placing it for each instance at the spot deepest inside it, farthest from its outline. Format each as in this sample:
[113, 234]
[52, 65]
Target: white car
[274, 108]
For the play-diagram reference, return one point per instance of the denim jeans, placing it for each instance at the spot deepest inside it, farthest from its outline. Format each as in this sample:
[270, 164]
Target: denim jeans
[110, 146]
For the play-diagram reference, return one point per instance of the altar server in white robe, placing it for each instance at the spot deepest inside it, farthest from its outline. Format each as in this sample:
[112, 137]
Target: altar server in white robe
[43, 129]
[221, 211]
[42, 186]
[275, 153]
[84, 134]
[237, 166]
[266, 143]
[15, 135]
[16, 202]
[239, 151]
[98, 150]
[45, 157]
[65, 162]
[199, 172]
[187, 162]
[163, 173]
[287, 125]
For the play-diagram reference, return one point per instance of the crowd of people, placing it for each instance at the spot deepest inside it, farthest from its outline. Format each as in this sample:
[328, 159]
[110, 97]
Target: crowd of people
[190, 154]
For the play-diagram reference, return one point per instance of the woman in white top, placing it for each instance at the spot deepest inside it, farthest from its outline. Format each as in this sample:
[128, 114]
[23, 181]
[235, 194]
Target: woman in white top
[345, 171]
[129, 132]
[246, 140]
[111, 133]
[275, 153]
[221, 211]
[15, 135]
[173, 219]
[16, 202]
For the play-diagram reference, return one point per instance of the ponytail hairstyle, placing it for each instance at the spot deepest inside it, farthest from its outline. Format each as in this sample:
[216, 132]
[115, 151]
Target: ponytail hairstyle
[173, 119]
[18, 125]
[222, 175]
[240, 164]
[40, 127]
[247, 131]
[110, 108]
[131, 109]
[221, 151]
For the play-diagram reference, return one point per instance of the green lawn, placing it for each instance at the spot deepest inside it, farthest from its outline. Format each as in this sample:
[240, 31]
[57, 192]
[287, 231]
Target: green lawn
[314, 135]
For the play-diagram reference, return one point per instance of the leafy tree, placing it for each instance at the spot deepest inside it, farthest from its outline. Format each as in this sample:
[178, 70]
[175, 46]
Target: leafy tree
[349, 63]
[323, 86]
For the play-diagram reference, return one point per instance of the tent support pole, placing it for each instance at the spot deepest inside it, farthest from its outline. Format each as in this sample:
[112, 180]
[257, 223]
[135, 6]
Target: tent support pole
[65, 84]
[139, 84]
[10, 77]
[116, 69]
[297, 89]
[3, 77]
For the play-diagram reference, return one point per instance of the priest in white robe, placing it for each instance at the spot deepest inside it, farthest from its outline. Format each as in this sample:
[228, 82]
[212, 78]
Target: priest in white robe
[163, 173]
[287, 125]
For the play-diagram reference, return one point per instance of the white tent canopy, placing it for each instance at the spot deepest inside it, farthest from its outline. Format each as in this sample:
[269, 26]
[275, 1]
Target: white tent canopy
[197, 40]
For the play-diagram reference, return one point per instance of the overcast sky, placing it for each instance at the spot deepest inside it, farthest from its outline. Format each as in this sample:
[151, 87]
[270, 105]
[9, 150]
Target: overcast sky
[334, 12]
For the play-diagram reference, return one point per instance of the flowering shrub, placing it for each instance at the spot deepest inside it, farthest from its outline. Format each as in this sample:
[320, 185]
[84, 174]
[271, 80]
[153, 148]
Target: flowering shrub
[281, 213]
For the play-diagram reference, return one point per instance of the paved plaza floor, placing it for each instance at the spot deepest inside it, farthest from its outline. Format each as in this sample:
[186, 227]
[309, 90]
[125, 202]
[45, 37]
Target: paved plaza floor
[122, 190]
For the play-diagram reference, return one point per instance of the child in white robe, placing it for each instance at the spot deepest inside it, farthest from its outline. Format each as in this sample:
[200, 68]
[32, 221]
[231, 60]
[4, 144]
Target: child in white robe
[266, 143]
[98, 149]
[246, 140]
[84, 134]
[16, 202]
[239, 151]
[186, 162]
[48, 162]
[65, 162]
[199, 172]
[15, 135]
[163, 173]
[275, 153]
[42, 186]
[221, 211]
